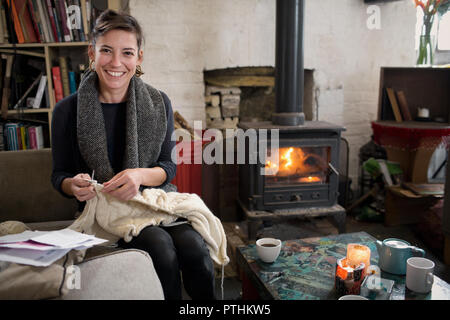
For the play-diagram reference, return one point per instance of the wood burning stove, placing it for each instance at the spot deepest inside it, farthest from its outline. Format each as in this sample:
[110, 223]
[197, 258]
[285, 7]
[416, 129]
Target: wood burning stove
[306, 170]
[306, 182]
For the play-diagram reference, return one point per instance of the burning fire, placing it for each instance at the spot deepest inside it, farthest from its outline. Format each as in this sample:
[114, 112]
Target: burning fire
[310, 179]
[296, 162]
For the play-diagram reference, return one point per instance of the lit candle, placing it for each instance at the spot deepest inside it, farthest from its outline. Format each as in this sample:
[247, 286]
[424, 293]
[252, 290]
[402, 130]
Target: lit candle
[357, 253]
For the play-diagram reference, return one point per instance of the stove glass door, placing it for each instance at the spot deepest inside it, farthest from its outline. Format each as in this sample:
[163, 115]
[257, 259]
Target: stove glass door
[306, 165]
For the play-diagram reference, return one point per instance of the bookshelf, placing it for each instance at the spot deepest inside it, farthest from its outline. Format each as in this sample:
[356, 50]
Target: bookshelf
[422, 88]
[50, 52]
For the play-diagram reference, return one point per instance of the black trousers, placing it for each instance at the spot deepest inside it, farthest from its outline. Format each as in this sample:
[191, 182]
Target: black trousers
[177, 248]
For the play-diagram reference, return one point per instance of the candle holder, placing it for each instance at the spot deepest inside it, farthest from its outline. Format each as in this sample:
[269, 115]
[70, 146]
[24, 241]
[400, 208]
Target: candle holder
[348, 279]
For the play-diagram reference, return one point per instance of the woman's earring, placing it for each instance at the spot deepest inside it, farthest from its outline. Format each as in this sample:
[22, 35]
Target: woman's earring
[139, 71]
[92, 65]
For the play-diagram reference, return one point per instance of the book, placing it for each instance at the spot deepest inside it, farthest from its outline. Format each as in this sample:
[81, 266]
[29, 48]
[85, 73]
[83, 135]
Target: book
[7, 85]
[2, 68]
[34, 14]
[27, 92]
[394, 104]
[425, 188]
[39, 137]
[88, 15]
[84, 16]
[401, 97]
[18, 137]
[58, 24]
[9, 22]
[64, 75]
[2, 138]
[57, 83]
[51, 18]
[25, 20]
[32, 137]
[44, 21]
[68, 23]
[4, 26]
[72, 82]
[61, 8]
[15, 19]
[23, 137]
[40, 92]
[80, 21]
[11, 136]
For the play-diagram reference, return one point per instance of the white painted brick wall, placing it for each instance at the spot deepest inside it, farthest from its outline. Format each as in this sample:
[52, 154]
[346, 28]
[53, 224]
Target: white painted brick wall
[185, 37]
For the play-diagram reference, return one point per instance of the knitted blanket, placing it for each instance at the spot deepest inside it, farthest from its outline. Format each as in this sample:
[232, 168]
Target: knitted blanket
[109, 218]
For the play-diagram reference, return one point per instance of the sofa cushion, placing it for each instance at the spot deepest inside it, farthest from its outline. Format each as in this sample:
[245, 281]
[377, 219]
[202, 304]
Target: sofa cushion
[26, 192]
[120, 275]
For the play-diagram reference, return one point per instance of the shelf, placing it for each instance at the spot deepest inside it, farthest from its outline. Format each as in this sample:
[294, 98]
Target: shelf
[422, 88]
[414, 124]
[43, 45]
[40, 110]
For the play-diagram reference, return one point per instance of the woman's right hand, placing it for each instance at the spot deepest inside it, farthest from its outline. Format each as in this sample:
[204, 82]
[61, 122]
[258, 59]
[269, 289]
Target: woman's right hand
[80, 188]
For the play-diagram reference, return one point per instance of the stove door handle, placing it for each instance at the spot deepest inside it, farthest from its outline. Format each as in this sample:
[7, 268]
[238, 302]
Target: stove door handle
[333, 169]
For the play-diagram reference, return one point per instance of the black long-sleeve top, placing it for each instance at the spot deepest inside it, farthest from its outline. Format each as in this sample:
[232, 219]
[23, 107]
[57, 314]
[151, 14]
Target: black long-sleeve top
[67, 159]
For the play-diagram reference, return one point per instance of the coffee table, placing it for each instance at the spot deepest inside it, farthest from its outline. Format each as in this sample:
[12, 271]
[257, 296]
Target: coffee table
[305, 270]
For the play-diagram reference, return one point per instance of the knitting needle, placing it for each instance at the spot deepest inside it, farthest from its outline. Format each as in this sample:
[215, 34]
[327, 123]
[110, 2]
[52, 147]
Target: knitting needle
[92, 181]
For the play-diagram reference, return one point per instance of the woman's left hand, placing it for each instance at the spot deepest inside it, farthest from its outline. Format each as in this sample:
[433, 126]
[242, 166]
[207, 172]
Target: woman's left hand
[124, 185]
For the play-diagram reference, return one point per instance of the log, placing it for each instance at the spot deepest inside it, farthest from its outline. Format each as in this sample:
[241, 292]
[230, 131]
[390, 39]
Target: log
[213, 112]
[213, 100]
[182, 123]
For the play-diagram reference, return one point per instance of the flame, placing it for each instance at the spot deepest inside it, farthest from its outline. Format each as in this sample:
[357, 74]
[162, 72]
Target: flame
[311, 179]
[295, 161]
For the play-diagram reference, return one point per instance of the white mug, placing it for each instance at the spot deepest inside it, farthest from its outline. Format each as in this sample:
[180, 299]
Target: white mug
[419, 274]
[268, 249]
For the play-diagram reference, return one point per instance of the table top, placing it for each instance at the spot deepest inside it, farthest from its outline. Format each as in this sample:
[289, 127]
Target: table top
[305, 270]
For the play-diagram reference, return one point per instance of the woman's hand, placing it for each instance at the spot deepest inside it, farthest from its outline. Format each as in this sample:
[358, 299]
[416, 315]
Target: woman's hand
[80, 188]
[124, 185]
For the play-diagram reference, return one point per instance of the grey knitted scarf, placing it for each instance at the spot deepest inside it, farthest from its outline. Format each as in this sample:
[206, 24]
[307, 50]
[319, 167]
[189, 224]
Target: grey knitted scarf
[146, 126]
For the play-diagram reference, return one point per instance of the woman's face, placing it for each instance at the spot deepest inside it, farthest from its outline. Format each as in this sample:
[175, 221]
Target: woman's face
[116, 55]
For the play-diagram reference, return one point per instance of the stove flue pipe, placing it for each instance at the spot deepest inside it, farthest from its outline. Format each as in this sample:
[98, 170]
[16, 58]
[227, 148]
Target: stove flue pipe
[289, 73]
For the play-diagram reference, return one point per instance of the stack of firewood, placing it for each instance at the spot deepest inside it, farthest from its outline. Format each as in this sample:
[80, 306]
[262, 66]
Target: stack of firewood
[222, 107]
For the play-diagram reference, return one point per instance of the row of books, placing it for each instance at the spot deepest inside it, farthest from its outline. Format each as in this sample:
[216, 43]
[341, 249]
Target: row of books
[65, 81]
[399, 108]
[28, 21]
[19, 136]
[2, 140]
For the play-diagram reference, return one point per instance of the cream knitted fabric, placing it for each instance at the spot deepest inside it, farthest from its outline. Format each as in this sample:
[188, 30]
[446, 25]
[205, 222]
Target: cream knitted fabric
[107, 217]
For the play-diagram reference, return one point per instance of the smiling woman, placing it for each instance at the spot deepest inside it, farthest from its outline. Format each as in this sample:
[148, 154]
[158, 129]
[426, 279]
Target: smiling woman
[121, 127]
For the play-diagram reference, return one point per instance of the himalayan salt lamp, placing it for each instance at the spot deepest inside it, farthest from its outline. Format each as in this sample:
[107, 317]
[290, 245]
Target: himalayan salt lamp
[357, 253]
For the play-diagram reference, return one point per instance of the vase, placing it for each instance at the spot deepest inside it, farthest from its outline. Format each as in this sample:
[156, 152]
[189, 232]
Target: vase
[425, 53]
[427, 44]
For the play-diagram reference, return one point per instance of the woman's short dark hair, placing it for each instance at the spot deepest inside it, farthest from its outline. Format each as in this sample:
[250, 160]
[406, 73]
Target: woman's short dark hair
[111, 20]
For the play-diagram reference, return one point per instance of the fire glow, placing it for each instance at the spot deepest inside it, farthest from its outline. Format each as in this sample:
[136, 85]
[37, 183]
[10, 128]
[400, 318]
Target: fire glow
[295, 161]
[310, 179]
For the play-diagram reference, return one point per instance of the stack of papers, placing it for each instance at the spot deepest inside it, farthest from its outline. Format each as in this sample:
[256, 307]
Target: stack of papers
[42, 248]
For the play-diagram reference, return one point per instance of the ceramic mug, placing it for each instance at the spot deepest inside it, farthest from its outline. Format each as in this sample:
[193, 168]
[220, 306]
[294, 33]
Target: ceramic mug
[268, 249]
[419, 274]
